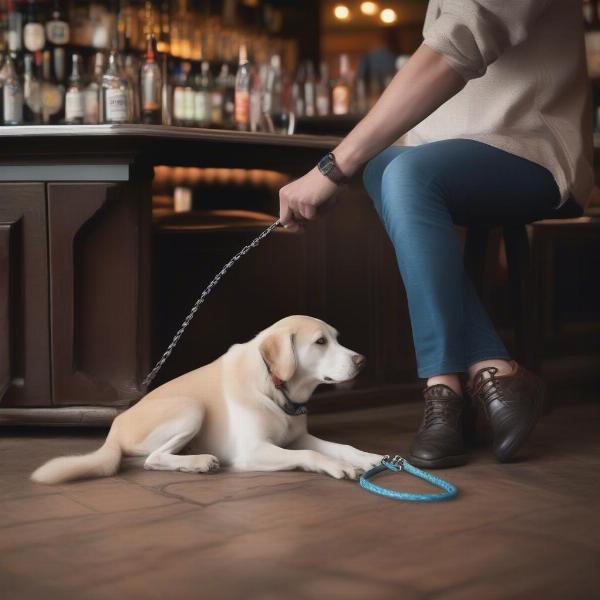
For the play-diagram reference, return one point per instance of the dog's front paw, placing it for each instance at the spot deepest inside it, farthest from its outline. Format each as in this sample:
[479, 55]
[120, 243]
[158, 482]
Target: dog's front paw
[338, 470]
[364, 461]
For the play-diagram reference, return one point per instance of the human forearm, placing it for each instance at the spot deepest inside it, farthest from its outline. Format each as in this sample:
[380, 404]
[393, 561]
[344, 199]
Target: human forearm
[425, 82]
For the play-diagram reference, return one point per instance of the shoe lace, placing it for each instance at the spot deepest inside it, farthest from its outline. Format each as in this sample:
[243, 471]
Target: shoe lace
[489, 387]
[437, 413]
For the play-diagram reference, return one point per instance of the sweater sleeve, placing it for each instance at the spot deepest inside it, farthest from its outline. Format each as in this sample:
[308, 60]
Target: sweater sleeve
[472, 34]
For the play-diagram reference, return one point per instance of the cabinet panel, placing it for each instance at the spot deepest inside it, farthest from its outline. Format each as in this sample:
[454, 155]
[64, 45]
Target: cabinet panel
[24, 328]
[98, 292]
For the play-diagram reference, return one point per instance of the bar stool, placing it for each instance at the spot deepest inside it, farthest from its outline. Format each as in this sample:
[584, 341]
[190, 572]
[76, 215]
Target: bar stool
[522, 277]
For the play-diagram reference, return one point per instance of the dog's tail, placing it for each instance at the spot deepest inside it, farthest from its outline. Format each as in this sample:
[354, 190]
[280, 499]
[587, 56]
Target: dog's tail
[104, 462]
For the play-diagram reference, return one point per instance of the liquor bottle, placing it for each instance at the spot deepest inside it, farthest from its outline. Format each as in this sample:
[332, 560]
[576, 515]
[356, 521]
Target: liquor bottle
[91, 95]
[323, 99]
[57, 34]
[34, 35]
[310, 92]
[189, 96]
[273, 96]
[131, 69]
[178, 96]
[53, 92]
[151, 85]
[74, 98]
[12, 95]
[226, 83]
[255, 114]
[115, 92]
[203, 97]
[217, 101]
[298, 91]
[15, 27]
[341, 93]
[242, 91]
[32, 89]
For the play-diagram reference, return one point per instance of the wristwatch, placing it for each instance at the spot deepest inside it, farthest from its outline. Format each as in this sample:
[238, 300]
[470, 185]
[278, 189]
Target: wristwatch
[328, 167]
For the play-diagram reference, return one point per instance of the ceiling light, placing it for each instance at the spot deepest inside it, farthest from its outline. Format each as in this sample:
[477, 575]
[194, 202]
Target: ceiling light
[341, 12]
[388, 15]
[368, 8]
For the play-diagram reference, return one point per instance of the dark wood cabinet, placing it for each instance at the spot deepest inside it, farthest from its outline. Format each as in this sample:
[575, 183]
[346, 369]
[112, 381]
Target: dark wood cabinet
[98, 256]
[24, 330]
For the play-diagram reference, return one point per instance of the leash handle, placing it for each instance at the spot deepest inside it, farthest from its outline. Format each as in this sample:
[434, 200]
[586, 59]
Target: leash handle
[397, 464]
[253, 244]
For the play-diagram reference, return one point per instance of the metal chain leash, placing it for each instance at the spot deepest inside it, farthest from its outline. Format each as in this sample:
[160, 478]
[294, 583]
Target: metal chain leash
[253, 244]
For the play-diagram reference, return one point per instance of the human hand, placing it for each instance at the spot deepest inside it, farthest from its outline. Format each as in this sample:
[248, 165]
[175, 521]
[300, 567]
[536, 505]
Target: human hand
[303, 199]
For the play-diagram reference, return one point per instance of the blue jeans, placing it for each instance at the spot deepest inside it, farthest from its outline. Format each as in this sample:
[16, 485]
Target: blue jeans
[419, 193]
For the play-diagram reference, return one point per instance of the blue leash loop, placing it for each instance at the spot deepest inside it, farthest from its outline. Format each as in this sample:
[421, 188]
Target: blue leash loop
[397, 464]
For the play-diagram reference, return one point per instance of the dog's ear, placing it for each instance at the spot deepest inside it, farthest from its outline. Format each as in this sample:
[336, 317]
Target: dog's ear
[277, 350]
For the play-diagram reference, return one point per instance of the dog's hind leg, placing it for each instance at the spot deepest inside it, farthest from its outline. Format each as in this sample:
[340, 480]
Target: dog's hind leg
[172, 437]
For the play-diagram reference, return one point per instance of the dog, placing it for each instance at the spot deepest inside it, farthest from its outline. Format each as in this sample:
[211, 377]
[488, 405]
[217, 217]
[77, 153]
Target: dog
[246, 411]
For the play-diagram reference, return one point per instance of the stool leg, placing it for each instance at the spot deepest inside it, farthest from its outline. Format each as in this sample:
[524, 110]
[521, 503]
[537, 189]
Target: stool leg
[523, 299]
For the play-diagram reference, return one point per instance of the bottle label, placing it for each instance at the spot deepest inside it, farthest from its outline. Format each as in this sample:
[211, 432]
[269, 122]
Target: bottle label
[13, 103]
[242, 107]
[90, 106]
[57, 32]
[178, 104]
[203, 107]
[34, 36]
[74, 108]
[217, 107]
[14, 40]
[52, 99]
[188, 104]
[341, 100]
[116, 105]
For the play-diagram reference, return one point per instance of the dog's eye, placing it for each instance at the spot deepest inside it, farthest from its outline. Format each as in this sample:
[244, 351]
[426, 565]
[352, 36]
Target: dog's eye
[321, 341]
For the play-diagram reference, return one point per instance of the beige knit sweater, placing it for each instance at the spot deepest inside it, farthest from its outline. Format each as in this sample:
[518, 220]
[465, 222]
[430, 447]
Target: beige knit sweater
[527, 89]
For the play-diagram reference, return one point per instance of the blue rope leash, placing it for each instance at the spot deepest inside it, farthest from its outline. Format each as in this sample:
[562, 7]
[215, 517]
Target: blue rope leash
[397, 464]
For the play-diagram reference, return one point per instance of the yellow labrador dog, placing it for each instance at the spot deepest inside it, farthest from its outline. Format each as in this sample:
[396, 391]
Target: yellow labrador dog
[246, 410]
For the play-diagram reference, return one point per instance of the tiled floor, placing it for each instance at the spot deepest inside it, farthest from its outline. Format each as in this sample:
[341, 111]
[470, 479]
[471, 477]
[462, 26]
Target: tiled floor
[526, 530]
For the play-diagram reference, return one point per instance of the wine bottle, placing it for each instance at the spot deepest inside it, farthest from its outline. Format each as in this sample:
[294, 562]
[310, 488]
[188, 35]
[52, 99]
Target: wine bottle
[341, 93]
[32, 89]
[91, 96]
[34, 35]
[53, 92]
[310, 93]
[12, 95]
[203, 98]
[151, 85]
[74, 98]
[323, 99]
[15, 27]
[115, 92]
[57, 36]
[242, 91]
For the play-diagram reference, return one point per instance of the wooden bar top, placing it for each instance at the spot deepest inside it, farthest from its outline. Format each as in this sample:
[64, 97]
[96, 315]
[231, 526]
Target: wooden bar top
[159, 144]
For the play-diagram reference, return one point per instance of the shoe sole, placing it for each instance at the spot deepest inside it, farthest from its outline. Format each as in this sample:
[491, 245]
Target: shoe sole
[440, 463]
[511, 451]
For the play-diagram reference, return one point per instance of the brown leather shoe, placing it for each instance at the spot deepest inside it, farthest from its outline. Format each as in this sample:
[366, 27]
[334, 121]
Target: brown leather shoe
[511, 403]
[439, 441]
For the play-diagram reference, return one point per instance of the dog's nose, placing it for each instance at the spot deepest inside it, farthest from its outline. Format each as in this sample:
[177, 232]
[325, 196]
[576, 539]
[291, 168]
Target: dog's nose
[359, 360]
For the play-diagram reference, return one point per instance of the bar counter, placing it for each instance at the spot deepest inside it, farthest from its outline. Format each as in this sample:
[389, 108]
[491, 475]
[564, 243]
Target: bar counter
[77, 253]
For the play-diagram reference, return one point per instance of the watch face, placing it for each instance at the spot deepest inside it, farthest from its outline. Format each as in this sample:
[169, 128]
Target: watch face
[325, 165]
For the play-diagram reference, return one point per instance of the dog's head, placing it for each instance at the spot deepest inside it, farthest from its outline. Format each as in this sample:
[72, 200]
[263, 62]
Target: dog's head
[307, 349]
